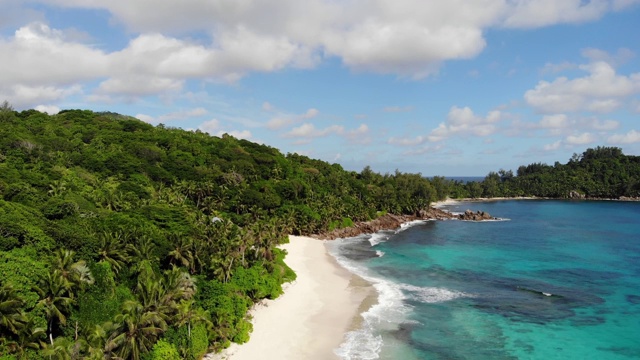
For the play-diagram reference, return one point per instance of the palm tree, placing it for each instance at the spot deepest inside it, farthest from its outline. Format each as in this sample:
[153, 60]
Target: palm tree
[77, 272]
[55, 298]
[61, 349]
[113, 250]
[187, 314]
[11, 315]
[178, 285]
[222, 268]
[181, 253]
[144, 249]
[137, 330]
[29, 337]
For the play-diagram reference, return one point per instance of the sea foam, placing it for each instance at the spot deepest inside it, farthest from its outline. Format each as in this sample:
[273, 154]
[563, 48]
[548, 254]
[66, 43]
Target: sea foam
[388, 313]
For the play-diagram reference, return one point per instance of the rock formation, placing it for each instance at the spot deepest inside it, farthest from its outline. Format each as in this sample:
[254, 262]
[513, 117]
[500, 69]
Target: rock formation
[390, 222]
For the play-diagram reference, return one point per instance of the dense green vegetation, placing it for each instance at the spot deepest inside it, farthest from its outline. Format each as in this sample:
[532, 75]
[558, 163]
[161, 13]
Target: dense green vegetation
[119, 239]
[600, 173]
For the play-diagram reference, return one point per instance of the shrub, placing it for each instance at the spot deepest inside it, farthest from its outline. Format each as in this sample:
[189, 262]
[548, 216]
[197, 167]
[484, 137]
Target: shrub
[163, 350]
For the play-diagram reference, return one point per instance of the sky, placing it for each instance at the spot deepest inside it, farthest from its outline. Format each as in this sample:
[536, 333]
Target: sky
[453, 88]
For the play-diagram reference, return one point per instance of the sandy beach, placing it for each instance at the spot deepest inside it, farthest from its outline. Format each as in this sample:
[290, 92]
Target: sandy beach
[310, 319]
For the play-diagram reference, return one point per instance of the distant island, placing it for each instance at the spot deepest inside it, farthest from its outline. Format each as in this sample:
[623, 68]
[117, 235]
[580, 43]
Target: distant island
[119, 239]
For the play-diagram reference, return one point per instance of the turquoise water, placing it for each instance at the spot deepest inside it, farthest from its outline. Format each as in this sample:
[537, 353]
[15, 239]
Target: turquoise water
[554, 280]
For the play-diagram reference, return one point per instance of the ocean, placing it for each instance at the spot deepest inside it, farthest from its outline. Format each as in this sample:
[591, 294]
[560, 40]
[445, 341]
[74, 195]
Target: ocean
[550, 280]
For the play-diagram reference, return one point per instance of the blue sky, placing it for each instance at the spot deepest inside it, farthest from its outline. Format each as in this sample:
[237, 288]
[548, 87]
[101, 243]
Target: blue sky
[456, 88]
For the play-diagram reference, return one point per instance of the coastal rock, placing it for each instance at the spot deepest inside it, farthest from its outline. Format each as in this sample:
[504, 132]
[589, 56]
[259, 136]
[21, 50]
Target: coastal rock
[576, 195]
[477, 216]
[390, 222]
[627, 198]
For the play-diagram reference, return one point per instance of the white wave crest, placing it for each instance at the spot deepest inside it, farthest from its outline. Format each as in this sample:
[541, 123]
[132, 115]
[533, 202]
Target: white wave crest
[378, 238]
[408, 225]
[380, 253]
[432, 295]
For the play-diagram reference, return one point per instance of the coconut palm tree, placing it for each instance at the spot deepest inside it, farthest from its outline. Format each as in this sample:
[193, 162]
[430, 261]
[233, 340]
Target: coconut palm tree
[29, 336]
[55, 299]
[113, 250]
[137, 329]
[11, 315]
[181, 253]
[188, 314]
[76, 272]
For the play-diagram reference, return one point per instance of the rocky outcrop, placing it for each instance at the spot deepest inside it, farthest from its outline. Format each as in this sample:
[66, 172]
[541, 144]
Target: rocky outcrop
[390, 222]
[475, 216]
[576, 195]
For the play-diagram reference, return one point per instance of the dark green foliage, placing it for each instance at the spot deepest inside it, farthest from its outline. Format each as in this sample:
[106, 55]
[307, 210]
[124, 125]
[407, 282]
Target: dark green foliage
[600, 173]
[102, 301]
[22, 268]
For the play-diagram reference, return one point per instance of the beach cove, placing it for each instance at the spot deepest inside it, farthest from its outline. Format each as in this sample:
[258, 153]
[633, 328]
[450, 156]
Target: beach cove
[313, 315]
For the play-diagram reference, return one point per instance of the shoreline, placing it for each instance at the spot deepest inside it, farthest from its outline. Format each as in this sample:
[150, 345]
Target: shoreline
[312, 317]
[450, 201]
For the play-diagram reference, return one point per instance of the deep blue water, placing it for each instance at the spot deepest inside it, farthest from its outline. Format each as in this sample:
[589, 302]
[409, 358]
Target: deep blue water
[555, 280]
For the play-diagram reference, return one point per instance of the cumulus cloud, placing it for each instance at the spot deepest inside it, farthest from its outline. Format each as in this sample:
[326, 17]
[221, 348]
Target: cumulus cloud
[602, 90]
[306, 132]
[173, 116]
[408, 38]
[547, 12]
[31, 95]
[215, 128]
[406, 141]
[282, 120]
[581, 139]
[630, 137]
[552, 147]
[463, 122]
[405, 37]
[49, 109]
[43, 56]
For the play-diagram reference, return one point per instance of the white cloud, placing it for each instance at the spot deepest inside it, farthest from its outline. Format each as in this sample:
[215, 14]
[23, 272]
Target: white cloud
[463, 122]
[406, 37]
[552, 147]
[536, 13]
[554, 121]
[240, 134]
[360, 135]
[630, 137]
[550, 68]
[42, 56]
[49, 109]
[308, 130]
[215, 128]
[212, 126]
[174, 116]
[407, 141]
[283, 119]
[622, 56]
[27, 95]
[581, 139]
[602, 90]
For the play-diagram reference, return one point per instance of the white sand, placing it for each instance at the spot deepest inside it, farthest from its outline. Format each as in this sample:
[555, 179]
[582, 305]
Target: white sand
[310, 319]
